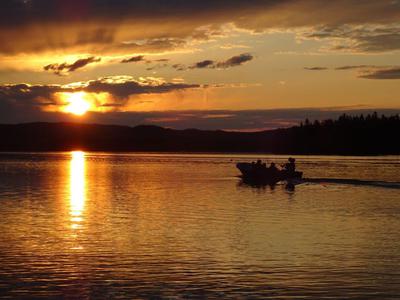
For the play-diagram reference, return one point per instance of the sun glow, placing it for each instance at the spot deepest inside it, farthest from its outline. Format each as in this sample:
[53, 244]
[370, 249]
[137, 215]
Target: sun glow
[77, 104]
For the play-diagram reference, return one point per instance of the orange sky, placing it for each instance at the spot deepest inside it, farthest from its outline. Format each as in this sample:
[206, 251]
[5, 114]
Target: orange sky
[142, 57]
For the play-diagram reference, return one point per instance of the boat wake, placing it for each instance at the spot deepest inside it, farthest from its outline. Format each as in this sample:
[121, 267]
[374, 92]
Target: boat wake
[383, 184]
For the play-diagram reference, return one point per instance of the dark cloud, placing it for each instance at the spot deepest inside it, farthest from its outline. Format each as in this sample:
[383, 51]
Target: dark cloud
[345, 68]
[138, 58]
[155, 64]
[203, 64]
[350, 67]
[365, 39]
[124, 87]
[25, 94]
[162, 60]
[366, 71]
[104, 25]
[211, 64]
[388, 73]
[315, 68]
[66, 68]
[235, 61]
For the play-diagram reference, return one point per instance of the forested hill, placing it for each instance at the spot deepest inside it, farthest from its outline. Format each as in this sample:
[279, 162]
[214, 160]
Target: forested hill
[361, 135]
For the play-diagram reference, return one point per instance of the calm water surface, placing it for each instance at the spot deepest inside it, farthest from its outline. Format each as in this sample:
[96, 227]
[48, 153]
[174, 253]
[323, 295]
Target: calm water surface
[128, 226]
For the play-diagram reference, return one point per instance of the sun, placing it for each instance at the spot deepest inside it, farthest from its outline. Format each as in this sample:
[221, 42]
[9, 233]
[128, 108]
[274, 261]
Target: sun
[77, 104]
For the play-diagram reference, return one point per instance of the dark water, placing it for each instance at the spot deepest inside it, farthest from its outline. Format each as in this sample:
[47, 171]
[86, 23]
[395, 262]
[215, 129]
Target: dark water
[107, 226]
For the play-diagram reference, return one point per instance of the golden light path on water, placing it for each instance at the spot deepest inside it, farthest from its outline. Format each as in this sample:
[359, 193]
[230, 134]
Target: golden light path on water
[77, 186]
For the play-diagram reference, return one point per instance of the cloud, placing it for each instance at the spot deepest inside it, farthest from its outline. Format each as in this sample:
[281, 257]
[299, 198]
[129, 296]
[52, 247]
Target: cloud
[235, 61]
[367, 71]
[315, 68]
[25, 94]
[357, 39]
[135, 59]
[156, 63]
[151, 45]
[211, 64]
[124, 86]
[233, 46]
[66, 68]
[203, 64]
[388, 73]
[157, 66]
[345, 68]
[119, 88]
[98, 26]
[179, 67]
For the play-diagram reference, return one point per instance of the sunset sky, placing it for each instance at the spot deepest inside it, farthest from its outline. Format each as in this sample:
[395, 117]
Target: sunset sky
[235, 65]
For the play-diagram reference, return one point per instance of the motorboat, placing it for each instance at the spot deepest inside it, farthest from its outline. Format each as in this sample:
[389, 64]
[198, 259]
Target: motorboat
[260, 173]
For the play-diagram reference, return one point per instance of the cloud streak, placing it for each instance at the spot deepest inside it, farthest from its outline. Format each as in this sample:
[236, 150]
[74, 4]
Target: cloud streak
[356, 67]
[133, 59]
[368, 38]
[234, 61]
[66, 68]
[122, 87]
[366, 71]
[316, 68]
[381, 74]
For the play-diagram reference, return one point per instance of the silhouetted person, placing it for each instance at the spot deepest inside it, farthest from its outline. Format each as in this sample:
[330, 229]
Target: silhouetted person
[273, 167]
[259, 164]
[290, 166]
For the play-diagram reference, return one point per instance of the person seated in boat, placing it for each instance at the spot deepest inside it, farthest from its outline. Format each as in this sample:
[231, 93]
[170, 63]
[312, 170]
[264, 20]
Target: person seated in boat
[259, 164]
[273, 169]
[290, 166]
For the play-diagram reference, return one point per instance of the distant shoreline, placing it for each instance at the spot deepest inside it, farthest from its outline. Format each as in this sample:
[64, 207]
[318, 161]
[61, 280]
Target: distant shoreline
[348, 136]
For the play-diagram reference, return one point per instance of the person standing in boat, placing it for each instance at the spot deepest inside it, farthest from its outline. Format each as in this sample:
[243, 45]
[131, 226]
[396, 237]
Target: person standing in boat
[290, 166]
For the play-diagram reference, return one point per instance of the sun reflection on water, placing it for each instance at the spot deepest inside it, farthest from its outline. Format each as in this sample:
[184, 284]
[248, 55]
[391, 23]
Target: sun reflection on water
[77, 188]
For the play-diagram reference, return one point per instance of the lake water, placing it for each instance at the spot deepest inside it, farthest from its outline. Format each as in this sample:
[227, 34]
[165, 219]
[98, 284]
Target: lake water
[138, 226]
